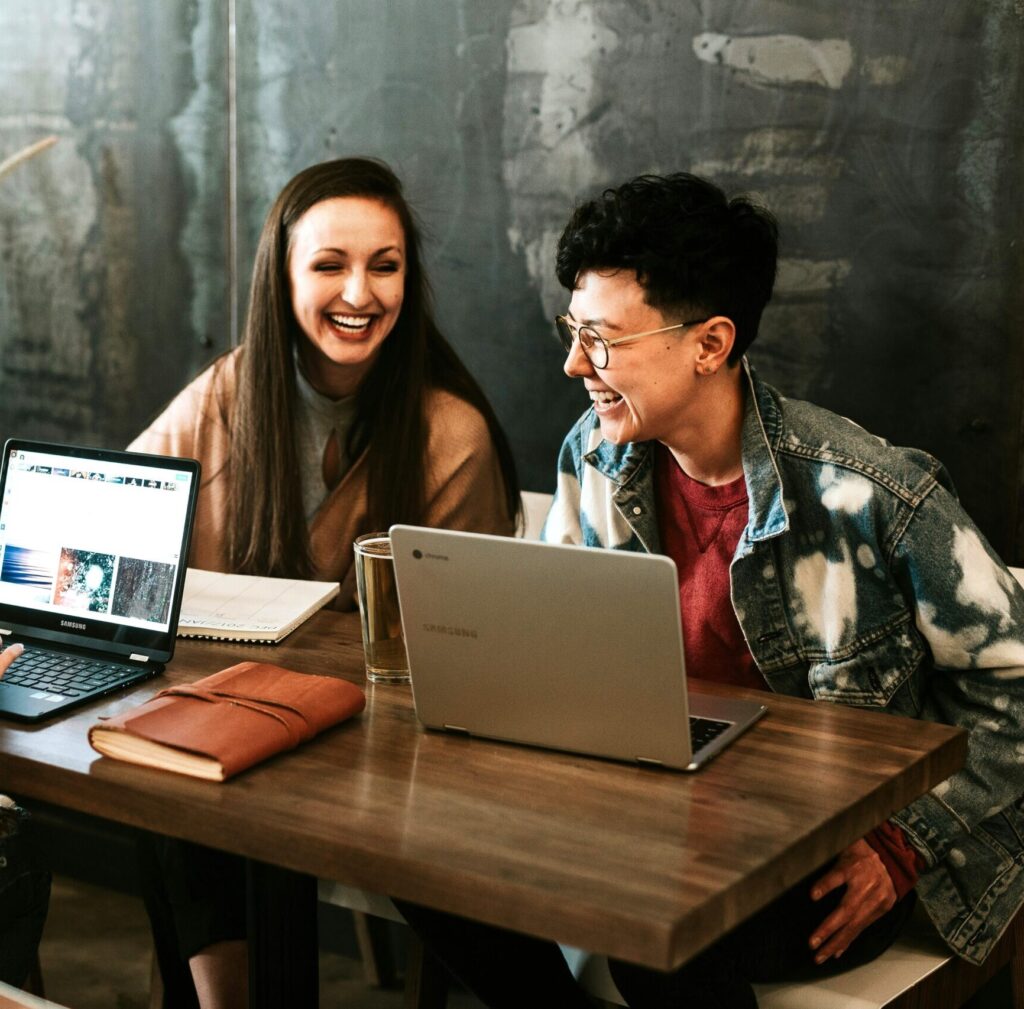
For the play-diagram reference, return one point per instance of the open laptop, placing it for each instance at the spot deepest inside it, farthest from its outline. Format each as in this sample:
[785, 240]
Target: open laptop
[93, 553]
[572, 648]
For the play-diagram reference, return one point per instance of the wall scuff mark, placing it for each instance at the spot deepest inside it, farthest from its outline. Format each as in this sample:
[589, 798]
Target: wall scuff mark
[778, 59]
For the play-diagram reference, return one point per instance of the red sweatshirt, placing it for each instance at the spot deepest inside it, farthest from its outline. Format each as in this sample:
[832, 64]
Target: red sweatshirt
[700, 527]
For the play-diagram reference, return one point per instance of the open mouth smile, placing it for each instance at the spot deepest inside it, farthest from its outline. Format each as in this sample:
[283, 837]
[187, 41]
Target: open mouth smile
[604, 400]
[350, 325]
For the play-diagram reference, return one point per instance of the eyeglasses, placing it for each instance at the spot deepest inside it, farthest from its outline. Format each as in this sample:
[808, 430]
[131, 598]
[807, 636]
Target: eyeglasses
[596, 346]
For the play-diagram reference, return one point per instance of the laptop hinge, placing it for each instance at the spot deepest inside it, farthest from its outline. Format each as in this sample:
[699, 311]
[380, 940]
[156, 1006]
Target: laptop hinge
[456, 728]
[138, 658]
[5, 630]
[649, 760]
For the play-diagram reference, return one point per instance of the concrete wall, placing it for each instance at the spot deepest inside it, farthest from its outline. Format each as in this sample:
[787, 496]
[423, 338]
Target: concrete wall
[885, 134]
[111, 243]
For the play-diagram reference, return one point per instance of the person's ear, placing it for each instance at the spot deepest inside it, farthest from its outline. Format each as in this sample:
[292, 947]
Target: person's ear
[714, 344]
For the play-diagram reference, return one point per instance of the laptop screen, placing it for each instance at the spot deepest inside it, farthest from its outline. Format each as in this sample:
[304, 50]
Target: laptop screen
[92, 543]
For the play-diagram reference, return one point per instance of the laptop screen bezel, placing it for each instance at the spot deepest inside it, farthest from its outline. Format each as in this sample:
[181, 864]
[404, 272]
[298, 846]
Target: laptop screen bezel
[106, 636]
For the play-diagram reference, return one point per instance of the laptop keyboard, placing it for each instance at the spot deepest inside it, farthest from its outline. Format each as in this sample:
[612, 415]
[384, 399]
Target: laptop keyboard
[704, 731]
[64, 674]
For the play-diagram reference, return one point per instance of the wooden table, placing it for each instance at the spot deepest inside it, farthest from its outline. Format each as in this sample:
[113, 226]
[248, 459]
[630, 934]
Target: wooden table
[641, 864]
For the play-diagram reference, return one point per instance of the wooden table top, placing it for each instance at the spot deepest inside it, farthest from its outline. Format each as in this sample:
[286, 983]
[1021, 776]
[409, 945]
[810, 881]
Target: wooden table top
[638, 863]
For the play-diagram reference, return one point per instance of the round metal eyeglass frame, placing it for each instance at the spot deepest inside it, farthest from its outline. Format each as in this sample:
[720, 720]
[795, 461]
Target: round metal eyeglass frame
[595, 346]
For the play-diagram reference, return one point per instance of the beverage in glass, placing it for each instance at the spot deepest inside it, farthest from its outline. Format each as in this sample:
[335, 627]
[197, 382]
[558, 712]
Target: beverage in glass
[383, 643]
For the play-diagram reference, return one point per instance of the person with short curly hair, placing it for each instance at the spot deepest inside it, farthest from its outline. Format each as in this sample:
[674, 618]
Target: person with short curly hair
[813, 559]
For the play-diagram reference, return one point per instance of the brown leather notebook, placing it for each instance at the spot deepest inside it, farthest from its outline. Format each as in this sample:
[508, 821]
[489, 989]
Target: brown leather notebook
[226, 722]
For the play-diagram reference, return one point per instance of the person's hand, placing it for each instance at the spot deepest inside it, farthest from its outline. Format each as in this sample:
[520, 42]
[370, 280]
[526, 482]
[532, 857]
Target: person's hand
[8, 655]
[869, 894]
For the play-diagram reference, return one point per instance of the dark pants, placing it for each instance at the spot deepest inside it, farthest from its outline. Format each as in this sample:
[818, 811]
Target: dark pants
[24, 897]
[195, 896]
[507, 970]
[23, 904]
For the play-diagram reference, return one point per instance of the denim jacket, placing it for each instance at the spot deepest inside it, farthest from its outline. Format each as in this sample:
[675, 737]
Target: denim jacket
[860, 580]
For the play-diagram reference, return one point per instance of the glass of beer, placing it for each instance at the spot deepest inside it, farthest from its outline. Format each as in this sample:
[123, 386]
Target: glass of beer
[383, 643]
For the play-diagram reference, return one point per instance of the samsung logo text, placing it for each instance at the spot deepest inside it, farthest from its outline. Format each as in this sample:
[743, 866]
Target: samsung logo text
[455, 632]
[73, 624]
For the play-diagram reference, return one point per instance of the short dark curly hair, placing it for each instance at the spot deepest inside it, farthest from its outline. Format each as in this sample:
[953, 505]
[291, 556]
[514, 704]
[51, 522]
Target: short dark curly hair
[693, 249]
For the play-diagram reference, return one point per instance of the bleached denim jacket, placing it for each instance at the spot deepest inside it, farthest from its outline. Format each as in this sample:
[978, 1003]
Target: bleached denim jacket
[859, 579]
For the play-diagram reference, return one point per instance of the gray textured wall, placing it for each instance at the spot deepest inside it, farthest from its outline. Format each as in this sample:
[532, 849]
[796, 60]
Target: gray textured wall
[112, 258]
[885, 133]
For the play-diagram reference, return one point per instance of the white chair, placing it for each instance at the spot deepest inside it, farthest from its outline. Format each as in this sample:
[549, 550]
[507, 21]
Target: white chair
[369, 912]
[14, 997]
[917, 972]
[535, 510]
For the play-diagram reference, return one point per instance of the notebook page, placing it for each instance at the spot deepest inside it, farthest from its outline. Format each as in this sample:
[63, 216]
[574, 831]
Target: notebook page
[247, 606]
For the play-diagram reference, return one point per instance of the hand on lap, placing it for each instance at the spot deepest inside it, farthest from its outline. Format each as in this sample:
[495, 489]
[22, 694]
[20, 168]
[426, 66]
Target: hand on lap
[869, 894]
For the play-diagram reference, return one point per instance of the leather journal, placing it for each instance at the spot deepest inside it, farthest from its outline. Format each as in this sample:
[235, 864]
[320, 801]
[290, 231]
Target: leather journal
[225, 723]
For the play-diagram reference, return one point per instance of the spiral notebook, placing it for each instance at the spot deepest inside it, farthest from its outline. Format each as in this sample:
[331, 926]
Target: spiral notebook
[248, 607]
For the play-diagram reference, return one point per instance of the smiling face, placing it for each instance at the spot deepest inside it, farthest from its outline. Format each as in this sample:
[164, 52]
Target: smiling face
[346, 272]
[650, 389]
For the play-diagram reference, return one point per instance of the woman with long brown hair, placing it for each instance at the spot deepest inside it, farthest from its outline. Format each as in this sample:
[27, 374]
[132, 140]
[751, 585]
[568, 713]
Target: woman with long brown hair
[343, 411]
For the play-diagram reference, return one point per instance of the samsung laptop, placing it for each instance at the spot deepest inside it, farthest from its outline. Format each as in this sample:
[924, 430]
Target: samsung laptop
[566, 647]
[93, 553]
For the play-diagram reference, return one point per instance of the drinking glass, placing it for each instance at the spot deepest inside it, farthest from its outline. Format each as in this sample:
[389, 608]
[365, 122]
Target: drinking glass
[383, 643]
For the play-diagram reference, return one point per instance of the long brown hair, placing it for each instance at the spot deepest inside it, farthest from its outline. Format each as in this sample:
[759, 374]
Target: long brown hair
[267, 531]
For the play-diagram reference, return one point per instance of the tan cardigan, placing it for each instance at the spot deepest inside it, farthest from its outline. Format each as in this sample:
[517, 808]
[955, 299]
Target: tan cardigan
[464, 490]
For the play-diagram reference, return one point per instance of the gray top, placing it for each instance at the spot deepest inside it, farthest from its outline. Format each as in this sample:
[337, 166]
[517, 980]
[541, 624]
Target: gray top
[318, 416]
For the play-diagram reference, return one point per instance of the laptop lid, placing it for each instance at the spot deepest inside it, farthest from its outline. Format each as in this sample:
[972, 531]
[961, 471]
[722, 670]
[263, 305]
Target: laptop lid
[573, 648]
[94, 547]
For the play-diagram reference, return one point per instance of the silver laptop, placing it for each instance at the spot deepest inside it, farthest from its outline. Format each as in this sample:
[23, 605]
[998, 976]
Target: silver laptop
[572, 648]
